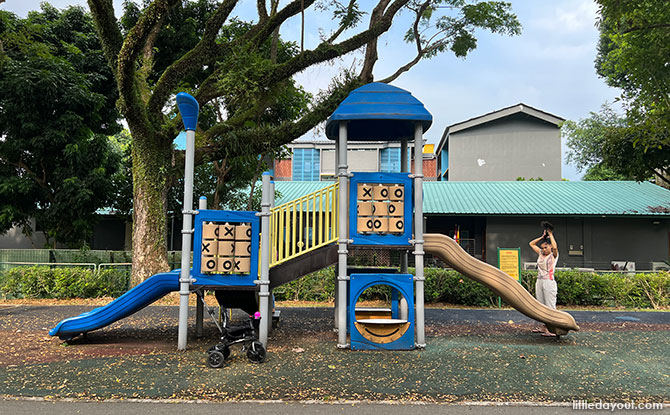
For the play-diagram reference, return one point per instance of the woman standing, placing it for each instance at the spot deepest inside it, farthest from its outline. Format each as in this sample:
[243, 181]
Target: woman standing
[545, 286]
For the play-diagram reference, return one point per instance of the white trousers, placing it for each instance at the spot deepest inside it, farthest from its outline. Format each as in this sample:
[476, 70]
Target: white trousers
[545, 291]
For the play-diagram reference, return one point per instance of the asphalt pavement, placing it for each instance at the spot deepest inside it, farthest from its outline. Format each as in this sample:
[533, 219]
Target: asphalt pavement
[31, 407]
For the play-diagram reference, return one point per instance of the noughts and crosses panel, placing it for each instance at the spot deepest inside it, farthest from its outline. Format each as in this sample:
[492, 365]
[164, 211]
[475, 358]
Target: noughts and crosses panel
[225, 248]
[380, 208]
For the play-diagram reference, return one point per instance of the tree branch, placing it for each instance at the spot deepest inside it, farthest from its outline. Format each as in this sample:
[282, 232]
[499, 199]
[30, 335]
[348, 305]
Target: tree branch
[661, 175]
[403, 69]
[343, 26]
[261, 32]
[262, 10]
[21, 165]
[420, 50]
[653, 26]
[204, 52]
[108, 30]
[135, 40]
[325, 51]
[234, 143]
[371, 55]
[322, 53]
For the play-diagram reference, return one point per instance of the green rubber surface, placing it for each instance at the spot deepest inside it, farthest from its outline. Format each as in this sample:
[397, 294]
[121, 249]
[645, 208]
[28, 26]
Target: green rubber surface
[488, 361]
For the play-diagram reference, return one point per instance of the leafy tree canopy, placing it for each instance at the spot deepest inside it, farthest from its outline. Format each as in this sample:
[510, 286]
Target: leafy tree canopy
[241, 73]
[634, 55]
[56, 108]
[606, 146]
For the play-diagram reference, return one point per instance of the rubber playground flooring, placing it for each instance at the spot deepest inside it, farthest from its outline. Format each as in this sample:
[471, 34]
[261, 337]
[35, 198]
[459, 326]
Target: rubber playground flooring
[471, 355]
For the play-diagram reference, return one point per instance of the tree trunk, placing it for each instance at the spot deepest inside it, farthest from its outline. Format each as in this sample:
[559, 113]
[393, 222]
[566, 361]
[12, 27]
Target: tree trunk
[151, 164]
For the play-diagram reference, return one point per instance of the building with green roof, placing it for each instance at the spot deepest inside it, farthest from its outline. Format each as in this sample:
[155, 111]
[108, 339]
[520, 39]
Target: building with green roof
[597, 224]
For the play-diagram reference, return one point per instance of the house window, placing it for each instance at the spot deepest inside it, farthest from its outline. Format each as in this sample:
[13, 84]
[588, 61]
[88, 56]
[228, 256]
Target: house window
[444, 164]
[389, 160]
[306, 164]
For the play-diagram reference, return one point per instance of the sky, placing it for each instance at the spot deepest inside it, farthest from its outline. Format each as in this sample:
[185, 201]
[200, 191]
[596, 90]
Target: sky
[549, 66]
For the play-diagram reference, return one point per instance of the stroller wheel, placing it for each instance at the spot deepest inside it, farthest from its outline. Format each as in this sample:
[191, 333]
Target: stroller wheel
[256, 352]
[216, 359]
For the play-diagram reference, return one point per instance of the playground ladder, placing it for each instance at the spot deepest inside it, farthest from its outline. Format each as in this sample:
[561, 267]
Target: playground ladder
[303, 225]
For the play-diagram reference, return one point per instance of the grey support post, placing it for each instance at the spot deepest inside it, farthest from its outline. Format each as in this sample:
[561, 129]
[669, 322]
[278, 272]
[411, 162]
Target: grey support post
[403, 255]
[418, 234]
[271, 301]
[199, 309]
[187, 230]
[343, 219]
[337, 290]
[264, 278]
[403, 168]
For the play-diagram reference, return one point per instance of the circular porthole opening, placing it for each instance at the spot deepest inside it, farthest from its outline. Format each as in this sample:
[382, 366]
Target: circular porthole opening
[381, 314]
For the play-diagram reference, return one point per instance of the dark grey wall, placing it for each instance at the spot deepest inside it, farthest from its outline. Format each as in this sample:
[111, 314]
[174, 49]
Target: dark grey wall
[603, 239]
[473, 227]
[109, 234]
[630, 239]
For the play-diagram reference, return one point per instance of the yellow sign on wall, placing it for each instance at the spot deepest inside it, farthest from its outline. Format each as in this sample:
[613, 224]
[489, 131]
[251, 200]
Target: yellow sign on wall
[509, 262]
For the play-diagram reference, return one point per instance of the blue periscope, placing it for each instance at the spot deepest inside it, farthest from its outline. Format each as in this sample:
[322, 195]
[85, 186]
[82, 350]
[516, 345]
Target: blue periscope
[131, 302]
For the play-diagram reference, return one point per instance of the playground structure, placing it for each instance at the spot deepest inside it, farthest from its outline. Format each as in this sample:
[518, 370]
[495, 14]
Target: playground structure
[243, 256]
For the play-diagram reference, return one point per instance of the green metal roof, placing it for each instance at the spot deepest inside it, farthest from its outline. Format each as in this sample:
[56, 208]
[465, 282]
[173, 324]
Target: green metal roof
[526, 198]
[293, 190]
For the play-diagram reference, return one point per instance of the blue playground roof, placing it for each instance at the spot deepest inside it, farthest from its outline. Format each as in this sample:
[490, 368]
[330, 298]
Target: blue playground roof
[379, 112]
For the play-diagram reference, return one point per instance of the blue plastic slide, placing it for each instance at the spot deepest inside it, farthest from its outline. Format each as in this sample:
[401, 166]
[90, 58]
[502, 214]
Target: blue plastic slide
[131, 302]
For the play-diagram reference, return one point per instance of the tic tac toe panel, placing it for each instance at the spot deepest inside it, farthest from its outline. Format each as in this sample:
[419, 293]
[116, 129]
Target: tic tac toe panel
[226, 248]
[381, 209]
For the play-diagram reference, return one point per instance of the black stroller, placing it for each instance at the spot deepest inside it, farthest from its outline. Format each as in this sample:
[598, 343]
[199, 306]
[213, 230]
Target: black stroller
[245, 334]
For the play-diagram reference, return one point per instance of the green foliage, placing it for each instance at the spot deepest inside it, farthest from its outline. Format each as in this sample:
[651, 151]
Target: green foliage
[608, 146]
[448, 286]
[586, 138]
[531, 179]
[575, 288]
[60, 283]
[317, 286]
[633, 55]
[56, 108]
[122, 180]
[600, 172]
[633, 51]
[455, 31]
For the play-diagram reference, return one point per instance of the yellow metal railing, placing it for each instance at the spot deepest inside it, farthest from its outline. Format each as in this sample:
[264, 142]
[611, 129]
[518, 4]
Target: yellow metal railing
[303, 224]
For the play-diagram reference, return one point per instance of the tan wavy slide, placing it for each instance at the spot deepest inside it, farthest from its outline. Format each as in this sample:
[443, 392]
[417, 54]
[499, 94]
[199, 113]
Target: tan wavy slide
[508, 288]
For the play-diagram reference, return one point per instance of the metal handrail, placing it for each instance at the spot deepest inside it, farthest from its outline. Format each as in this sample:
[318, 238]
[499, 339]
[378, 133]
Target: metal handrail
[81, 264]
[113, 264]
[303, 225]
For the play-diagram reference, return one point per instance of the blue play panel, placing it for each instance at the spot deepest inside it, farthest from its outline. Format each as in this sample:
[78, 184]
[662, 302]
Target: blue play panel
[374, 238]
[387, 332]
[215, 279]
